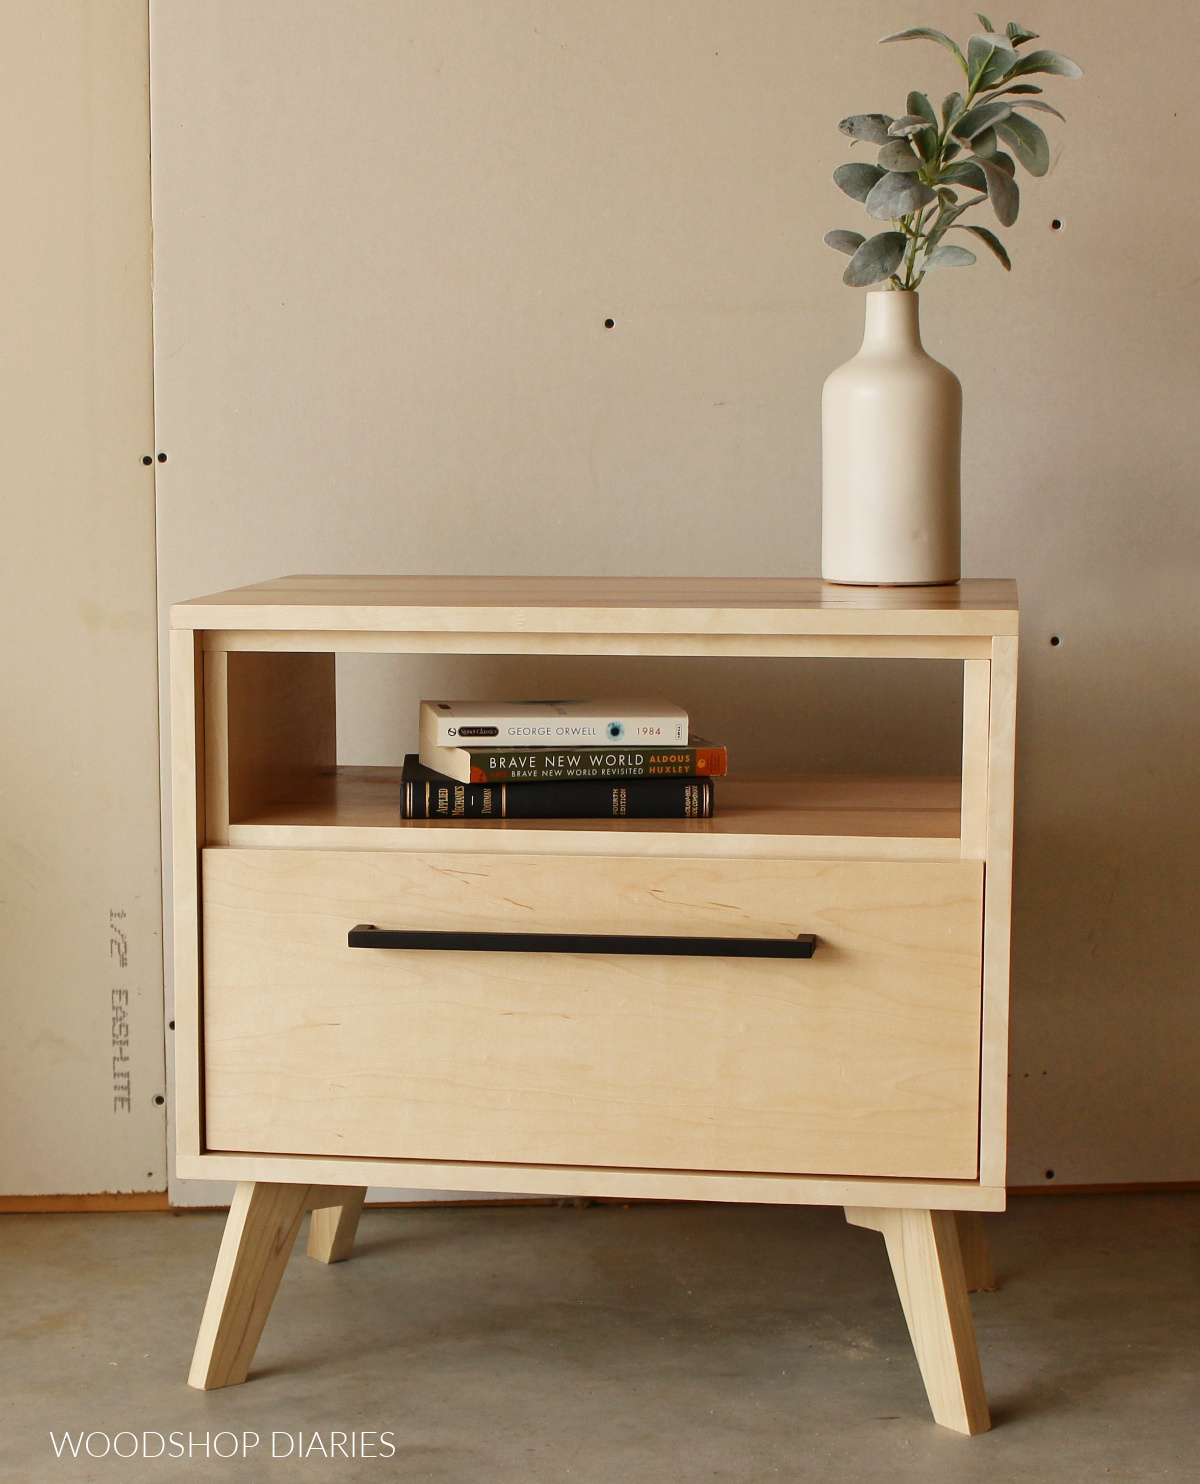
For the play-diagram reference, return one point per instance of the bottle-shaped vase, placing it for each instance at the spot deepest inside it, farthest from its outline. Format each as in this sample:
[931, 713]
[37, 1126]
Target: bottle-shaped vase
[891, 437]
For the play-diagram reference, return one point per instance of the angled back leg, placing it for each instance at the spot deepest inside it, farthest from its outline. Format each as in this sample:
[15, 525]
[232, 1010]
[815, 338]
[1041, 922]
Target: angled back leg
[332, 1229]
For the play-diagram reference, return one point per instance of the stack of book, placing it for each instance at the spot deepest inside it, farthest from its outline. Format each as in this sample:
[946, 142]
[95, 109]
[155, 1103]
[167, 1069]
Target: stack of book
[623, 759]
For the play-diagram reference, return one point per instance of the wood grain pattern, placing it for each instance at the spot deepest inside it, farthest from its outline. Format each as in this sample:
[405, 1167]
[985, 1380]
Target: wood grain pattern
[977, 690]
[823, 815]
[681, 605]
[270, 727]
[863, 1061]
[533, 641]
[976, 1256]
[259, 1235]
[927, 1265]
[347, 812]
[332, 1229]
[612, 1182]
[997, 922]
[213, 758]
[260, 1232]
[187, 837]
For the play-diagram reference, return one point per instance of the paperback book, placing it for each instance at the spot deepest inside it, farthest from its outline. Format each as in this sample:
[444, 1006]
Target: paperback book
[700, 759]
[426, 794]
[552, 723]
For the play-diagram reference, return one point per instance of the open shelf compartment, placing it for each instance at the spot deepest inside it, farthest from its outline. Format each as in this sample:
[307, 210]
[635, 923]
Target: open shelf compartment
[272, 781]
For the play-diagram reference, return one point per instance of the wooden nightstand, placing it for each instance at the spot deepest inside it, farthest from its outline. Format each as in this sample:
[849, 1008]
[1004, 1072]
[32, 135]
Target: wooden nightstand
[871, 1076]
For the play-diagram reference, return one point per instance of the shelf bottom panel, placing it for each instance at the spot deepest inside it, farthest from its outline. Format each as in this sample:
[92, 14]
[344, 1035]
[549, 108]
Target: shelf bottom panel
[846, 816]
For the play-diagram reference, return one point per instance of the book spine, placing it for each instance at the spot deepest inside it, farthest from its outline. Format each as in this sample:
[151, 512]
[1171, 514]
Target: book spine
[496, 766]
[632, 798]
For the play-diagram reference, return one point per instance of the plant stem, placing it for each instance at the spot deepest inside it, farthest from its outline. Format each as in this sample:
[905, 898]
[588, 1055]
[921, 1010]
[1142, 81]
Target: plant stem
[915, 226]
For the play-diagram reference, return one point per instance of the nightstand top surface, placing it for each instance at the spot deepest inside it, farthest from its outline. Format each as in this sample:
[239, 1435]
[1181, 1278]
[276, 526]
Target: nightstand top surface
[603, 605]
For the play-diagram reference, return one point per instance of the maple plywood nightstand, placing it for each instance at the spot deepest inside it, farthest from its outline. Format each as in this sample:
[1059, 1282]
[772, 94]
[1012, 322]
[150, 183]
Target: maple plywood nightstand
[872, 1075]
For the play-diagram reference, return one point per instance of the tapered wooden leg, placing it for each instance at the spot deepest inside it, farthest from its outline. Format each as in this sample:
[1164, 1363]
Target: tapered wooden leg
[259, 1236]
[332, 1228]
[977, 1259]
[928, 1268]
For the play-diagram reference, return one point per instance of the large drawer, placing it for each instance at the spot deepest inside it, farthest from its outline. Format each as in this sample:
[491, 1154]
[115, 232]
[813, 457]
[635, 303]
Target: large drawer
[863, 1060]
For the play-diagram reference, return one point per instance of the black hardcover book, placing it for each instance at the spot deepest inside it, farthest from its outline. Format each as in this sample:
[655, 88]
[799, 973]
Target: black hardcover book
[425, 794]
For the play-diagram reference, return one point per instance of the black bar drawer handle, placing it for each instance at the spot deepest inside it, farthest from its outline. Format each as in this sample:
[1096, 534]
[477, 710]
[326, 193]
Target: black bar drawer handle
[365, 935]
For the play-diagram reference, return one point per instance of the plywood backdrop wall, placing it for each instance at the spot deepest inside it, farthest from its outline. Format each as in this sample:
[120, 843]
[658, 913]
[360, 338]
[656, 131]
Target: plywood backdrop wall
[388, 237]
[81, 1054]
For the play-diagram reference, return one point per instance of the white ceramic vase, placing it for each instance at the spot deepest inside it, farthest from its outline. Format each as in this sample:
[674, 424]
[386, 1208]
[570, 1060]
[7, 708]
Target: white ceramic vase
[891, 435]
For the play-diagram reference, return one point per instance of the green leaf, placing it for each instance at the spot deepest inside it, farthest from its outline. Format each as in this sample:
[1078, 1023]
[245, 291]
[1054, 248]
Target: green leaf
[1020, 87]
[979, 54]
[1002, 192]
[1042, 107]
[976, 120]
[847, 242]
[985, 145]
[983, 21]
[898, 194]
[918, 105]
[873, 127]
[952, 109]
[906, 127]
[946, 195]
[1044, 61]
[946, 217]
[877, 259]
[1018, 34]
[927, 33]
[949, 256]
[967, 173]
[998, 69]
[919, 126]
[857, 178]
[992, 241]
[989, 58]
[926, 144]
[1004, 162]
[1027, 142]
[899, 155]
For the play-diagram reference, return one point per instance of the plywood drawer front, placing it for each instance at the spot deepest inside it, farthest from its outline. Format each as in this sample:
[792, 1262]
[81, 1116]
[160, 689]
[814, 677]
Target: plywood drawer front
[863, 1060]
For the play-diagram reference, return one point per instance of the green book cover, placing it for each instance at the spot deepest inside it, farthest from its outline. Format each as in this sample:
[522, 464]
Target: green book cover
[428, 795]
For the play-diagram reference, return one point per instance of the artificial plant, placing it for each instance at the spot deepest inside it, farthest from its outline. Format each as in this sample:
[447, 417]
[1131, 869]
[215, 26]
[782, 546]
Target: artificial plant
[922, 160]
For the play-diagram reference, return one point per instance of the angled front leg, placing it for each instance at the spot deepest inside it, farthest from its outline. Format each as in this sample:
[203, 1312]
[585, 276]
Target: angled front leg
[259, 1236]
[927, 1265]
[332, 1228]
[260, 1233]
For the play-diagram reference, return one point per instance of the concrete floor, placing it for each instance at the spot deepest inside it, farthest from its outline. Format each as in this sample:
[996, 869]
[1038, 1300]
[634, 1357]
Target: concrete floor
[611, 1345]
